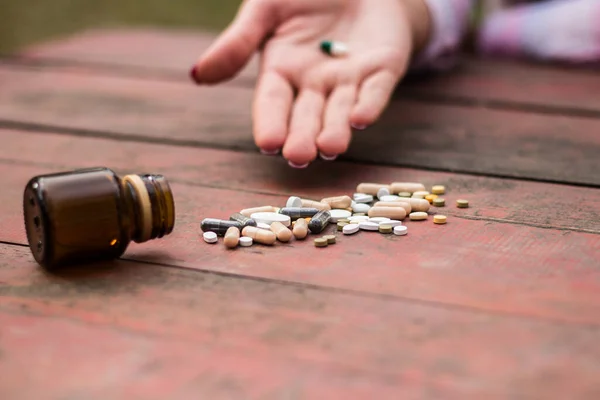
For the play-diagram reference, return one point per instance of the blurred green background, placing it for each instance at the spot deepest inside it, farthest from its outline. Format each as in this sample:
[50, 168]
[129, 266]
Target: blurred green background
[23, 22]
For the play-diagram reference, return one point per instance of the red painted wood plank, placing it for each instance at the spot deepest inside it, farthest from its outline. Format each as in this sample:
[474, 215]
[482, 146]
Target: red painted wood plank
[481, 259]
[479, 79]
[410, 133]
[137, 330]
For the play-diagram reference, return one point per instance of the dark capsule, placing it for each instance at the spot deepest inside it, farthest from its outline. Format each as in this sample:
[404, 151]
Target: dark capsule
[242, 219]
[298, 212]
[319, 221]
[218, 226]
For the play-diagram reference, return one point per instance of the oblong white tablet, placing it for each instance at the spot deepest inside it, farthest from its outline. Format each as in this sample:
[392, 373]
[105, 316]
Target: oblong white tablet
[350, 229]
[369, 226]
[270, 217]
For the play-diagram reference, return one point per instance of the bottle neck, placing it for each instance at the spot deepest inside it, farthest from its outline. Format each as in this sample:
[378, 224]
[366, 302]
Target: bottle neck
[151, 206]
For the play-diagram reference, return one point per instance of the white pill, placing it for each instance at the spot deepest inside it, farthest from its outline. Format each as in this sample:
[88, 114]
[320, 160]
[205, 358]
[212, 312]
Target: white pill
[400, 230]
[246, 241]
[358, 219]
[392, 222]
[350, 229]
[337, 214]
[363, 198]
[210, 237]
[369, 226]
[379, 219]
[262, 225]
[391, 197]
[420, 194]
[383, 192]
[361, 208]
[270, 217]
[294, 201]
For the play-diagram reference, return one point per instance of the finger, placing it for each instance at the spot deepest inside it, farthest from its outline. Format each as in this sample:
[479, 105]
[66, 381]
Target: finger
[271, 110]
[300, 146]
[233, 49]
[373, 97]
[336, 134]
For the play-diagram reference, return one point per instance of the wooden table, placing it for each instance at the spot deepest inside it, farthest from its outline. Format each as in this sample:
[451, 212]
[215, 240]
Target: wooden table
[502, 302]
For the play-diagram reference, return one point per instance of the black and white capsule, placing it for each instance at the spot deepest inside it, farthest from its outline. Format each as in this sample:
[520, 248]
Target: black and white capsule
[242, 219]
[218, 226]
[298, 212]
[319, 221]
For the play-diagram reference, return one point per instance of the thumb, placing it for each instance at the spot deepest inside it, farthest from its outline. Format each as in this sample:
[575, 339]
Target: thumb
[235, 46]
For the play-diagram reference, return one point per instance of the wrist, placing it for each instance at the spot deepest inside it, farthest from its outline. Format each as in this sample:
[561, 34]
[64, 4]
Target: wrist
[420, 21]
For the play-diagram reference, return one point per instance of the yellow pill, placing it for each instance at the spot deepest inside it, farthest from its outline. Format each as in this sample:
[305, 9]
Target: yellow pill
[439, 202]
[420, 194]
[320, 242]
[439, 219]
[418, 216]
[438, 189]
[431, 197]
[462, 203]
[330, 239]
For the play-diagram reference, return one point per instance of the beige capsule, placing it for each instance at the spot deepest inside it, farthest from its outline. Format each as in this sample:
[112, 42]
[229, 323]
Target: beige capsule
[262, 236]
[419, 204]
[371, 188]
[249, 211]
[338, 201]
[300, 229]
[315, 204]
[281, 231]
[404, 204]
[418, 216]
[398, 213]
[232, 237]
[397, 187]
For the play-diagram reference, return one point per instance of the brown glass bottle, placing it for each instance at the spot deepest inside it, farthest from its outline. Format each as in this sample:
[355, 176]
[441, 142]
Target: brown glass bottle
[92, 214]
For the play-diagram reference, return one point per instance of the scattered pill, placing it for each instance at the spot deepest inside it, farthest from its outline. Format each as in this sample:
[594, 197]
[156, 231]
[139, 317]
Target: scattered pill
[462, 203]
[320, 242]
[388, 212]
[210, 237]
[249, 211]
[242, 219]
[338, 201]
[232, 237]
[361, 208]
[404, 194]
[336, 215]
[347, 220]
[218, 226]
[333, 48]
[371, 188]
[281, 231]
[363, 198]
[431, 197]
[438, 189]
[385, 228]
[418, 216]
[392, 222]
[439, 219]
[246, 241]
[350, 229]
[369, 226]
[262, 225]
[379, 219]
[404, 204]
[411, 187]
[270, 217]
[319, 221]
[300, 230]
[383, 192]
[315, 204]
[360, 218]
[419, 204]
[341, 225]
[259, 235]
[389, 198]
[359, 214]
[298, 212]
[294, 201]
[420, 194]
[439, 202]
[400, 230]
[330, 239]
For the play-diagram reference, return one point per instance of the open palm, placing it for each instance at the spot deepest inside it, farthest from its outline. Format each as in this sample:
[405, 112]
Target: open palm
[305, 101]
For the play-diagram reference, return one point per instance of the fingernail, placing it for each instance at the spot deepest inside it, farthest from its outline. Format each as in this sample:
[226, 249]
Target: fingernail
[326, 157]
[193, 74]
[297, 166]
[359, 127]
[270, 152]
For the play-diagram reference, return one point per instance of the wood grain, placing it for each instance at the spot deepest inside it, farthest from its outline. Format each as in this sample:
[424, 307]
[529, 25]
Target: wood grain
[488, 257]
[133, 330]
[445, 137]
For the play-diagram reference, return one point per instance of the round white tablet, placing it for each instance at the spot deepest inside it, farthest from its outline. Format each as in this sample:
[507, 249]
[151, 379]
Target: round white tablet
[262, 225]
[363, 198]
[369, 226]
[350, 229]
[391, 197]
[294, 201]
[361, 208]
[270, 217]
[246, 241]
[337, 214]
[392, 222]
[382, 192]
[210, 237]
[400, 230]
[379, 219]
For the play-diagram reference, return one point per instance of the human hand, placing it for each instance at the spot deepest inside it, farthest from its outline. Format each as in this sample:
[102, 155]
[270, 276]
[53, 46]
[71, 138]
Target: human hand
[305, 101]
